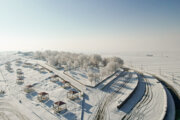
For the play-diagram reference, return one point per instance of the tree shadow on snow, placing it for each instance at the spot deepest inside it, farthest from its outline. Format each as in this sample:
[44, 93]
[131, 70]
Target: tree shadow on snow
[49, 103]
[77, 78]
[59, 83]
[84, 76]
[73, 73]
[70, 116]
[148, 77]
[86, 107]
[31, 95]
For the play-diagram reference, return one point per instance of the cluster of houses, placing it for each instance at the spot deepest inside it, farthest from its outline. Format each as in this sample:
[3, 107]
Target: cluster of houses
[56, 78]
[20, 76]
[34, 66]
[58, 106]
[40, 69]
[18, 62]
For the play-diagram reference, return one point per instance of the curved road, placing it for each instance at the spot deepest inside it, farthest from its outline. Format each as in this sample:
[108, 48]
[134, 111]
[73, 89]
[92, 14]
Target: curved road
[153, 105]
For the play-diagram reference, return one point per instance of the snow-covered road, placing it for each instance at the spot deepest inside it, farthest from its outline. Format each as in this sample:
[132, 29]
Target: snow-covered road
[153, 105]
[121, 88]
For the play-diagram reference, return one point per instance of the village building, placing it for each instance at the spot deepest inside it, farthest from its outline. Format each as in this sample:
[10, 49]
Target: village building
[59, 106]
[18, 62]
[19, 81]
[8, 67]
[72, 94]
[20, 76]
[66, 84]
[43, 96]
[19, 71]
[54, 78]
[42, 70]
[28, 89]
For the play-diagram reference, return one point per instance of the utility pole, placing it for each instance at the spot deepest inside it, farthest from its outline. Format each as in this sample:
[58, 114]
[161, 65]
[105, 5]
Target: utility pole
[131, 63]
[173, 77]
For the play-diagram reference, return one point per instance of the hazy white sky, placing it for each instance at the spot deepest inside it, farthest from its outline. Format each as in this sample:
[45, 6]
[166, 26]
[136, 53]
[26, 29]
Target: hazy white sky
[90, 26]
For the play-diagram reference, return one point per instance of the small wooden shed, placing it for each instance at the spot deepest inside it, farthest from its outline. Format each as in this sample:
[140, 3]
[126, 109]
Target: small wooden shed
[20, 76]
[65, 84]
[59, 106]
[42, 70]
[18, 62]
[54, 78]
[19, 71]
[42, 96]
[28, 89]
[19, 81]
[72, 94]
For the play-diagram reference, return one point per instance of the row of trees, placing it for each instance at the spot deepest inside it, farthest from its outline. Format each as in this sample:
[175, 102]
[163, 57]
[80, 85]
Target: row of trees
[73, 60]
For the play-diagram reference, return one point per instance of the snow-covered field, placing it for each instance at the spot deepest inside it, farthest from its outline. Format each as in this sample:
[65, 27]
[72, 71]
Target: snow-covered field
[160, 62]
[82, 76]
[99, 101]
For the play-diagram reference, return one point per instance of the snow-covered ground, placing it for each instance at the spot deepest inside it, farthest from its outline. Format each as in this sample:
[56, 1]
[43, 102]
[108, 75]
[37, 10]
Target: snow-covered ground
[160, 62]
[82, 76]
[109, 94]
[79, 75]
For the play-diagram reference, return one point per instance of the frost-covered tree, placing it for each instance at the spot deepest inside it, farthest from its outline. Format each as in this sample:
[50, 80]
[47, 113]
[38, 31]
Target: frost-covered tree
[91, 77]
[103, 72]
[52, 61]
[76, 64]
[96, 78]
[77, 60]
[112, 66]
[38, 55]
[69, 64]
[95, 60]
[85, 65]
[105, 61]
[118, 60]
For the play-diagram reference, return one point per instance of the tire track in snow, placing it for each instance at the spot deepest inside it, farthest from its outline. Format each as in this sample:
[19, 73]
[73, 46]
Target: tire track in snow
[4, 116]
[101, 112]
[137, 111]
